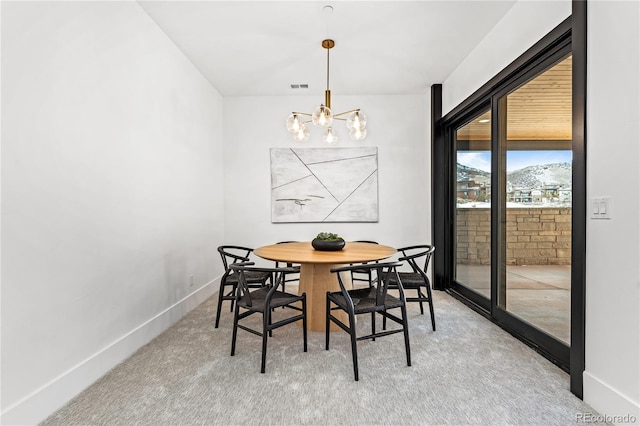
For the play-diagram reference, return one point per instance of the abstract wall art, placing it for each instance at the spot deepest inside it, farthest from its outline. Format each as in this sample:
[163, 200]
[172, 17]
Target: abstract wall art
[324, 184]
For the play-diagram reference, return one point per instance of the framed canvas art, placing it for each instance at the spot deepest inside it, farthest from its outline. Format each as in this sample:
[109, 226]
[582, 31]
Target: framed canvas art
[324, 184]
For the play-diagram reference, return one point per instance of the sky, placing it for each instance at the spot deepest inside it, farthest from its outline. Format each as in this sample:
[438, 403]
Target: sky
[515, 159]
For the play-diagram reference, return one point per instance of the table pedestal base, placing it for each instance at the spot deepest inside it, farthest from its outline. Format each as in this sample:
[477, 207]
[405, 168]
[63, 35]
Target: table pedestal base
[316, 280]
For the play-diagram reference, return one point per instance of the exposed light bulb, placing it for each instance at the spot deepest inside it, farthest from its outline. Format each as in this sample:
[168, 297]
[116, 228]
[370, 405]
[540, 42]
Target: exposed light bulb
[357, 120]
[294, 123]
[330, 136]
[322, 116]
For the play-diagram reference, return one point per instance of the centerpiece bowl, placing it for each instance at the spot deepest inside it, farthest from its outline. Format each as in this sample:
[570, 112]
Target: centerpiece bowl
[326, 241]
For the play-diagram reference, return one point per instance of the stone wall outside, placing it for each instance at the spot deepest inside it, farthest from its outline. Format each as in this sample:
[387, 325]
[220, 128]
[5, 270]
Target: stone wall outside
[535, 236]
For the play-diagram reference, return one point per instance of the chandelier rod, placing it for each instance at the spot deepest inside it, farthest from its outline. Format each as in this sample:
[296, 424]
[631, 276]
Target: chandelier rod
[328, 50]
[328, 44]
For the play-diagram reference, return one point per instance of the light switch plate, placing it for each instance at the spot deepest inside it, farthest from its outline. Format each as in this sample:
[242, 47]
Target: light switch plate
[600, 207]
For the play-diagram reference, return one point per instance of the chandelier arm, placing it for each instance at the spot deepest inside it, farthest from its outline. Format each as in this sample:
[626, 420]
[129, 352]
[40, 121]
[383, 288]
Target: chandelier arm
[346, 112]
[302, 113]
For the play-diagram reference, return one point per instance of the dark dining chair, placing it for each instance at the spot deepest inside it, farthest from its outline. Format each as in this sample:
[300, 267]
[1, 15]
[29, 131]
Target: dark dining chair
[374, 300]
[363, 275]
[264, 301]
[230, 255]
[418, 258]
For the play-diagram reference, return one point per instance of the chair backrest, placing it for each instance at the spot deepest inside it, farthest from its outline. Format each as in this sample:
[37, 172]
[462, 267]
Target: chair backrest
[244, 291]
[418, 257]
[387, 274]
[233, 254]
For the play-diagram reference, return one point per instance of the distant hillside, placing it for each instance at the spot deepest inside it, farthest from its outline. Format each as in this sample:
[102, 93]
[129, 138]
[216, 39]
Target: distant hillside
[469, 173]
[542, 174]
[530, 177]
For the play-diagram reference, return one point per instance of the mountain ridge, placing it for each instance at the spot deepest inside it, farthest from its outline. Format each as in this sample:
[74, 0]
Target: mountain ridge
[530, 177]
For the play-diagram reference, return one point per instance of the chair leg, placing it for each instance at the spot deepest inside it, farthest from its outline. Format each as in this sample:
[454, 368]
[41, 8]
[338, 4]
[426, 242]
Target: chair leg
[235, 331]
[373, 324]
[304, 321]
[433, 317]
[328, 324]
[232, 295]
[268, 317]
[420, 295]
[265, 324]
[220, 296]
[354, 346]
[405, 327]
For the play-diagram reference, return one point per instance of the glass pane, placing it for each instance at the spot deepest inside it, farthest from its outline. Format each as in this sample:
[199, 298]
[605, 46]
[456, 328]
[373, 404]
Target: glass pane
[473, 205]
[538, 202]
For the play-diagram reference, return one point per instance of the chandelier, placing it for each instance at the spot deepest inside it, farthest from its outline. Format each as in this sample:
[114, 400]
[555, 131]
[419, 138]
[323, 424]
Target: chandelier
[323, 117]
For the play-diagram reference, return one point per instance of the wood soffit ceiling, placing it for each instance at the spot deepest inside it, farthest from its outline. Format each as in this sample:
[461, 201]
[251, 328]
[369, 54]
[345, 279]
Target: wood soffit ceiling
[538, 110]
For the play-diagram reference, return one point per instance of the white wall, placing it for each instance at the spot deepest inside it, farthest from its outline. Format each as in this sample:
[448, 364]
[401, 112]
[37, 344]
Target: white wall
[526, 23]
[397, 125]
[111, 194]
[612, 373]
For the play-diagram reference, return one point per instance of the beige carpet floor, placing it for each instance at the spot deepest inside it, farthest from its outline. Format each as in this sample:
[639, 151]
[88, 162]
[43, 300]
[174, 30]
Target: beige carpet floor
[468, 372]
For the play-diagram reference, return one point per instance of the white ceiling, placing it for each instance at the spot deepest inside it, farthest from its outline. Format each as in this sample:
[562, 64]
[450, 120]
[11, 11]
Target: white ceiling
[259, 48]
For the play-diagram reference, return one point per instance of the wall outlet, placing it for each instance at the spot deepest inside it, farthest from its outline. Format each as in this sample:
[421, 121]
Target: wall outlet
[190, 280]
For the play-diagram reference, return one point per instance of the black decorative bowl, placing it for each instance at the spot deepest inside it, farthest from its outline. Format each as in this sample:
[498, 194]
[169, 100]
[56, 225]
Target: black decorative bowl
[327, 245]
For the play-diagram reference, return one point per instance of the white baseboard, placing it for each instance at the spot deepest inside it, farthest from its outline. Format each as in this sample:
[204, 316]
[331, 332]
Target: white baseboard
[44, 401]
[613, 406]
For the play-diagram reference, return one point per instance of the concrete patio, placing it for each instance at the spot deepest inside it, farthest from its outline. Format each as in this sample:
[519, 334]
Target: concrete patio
[538, 294]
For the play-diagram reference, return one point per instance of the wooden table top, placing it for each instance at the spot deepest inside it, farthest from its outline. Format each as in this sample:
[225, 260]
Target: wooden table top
[303, 252]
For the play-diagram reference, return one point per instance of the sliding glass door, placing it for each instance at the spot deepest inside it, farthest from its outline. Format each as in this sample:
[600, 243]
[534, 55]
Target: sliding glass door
[513, 205]
[536, 158]
[509, 196]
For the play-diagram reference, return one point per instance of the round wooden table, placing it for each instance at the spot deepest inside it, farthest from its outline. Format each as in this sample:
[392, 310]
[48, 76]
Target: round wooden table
[316, 277]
